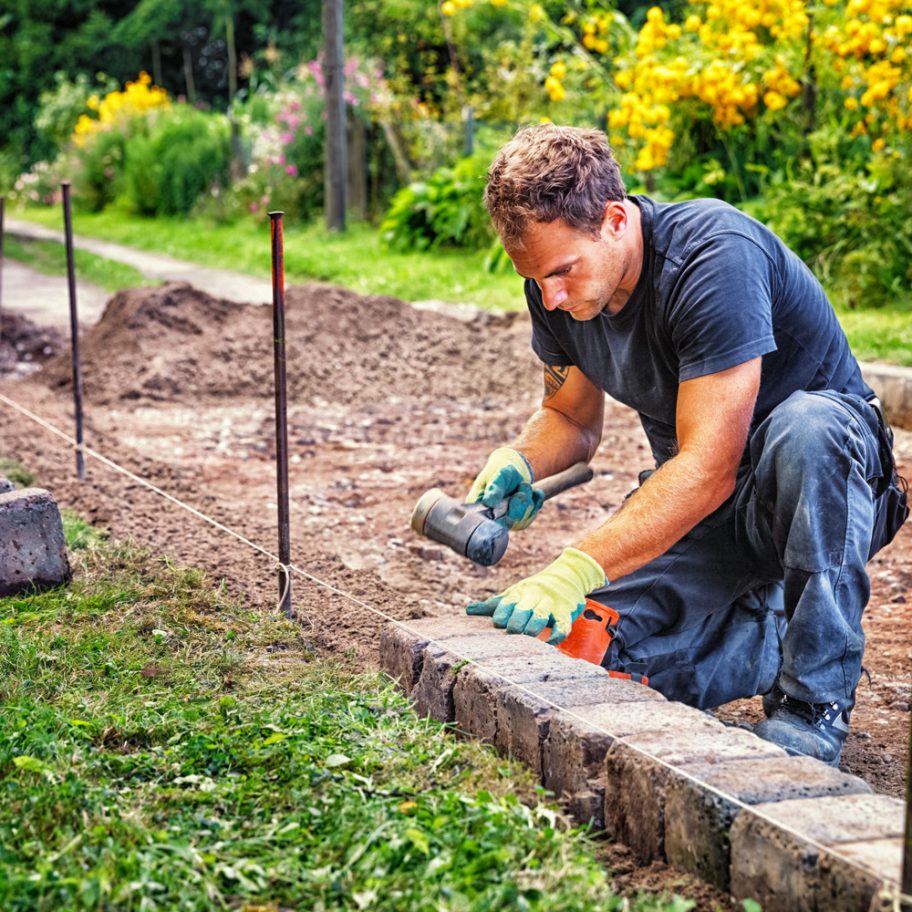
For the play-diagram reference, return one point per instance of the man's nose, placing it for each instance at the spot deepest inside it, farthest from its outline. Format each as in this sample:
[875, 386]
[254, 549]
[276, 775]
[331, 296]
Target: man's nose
[553, 295]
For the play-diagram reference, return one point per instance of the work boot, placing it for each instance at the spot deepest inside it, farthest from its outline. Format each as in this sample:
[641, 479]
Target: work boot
[773, 699]
[814, 730]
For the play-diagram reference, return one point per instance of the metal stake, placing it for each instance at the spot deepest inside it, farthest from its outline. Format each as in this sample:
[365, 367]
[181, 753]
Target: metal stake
[906, 904]
[2, 208]
[74, 328]
[281, 409]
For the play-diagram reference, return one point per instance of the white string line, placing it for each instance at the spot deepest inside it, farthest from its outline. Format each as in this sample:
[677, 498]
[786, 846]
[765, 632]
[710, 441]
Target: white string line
[892, 887]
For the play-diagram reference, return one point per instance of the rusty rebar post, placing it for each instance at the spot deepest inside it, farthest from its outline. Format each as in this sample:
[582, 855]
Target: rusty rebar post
[2, 214]
[74, 329]
[906, 904]
[281, 409]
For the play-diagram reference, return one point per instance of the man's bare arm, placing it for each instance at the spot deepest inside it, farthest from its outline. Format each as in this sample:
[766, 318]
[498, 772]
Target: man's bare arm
[713, 418]
[567, 427]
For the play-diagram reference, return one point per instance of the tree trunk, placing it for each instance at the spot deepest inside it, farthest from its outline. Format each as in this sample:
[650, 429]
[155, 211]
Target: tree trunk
[397, 146]
[188, 72]
[357, 167]
[156, 63]
[232, 58]
[336, 167]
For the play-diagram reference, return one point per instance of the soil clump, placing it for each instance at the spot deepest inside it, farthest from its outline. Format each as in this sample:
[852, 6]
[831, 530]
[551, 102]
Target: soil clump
[24, 345]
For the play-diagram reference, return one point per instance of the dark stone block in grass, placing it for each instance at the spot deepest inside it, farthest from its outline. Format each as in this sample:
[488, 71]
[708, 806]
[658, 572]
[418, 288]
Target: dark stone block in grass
[32, 547]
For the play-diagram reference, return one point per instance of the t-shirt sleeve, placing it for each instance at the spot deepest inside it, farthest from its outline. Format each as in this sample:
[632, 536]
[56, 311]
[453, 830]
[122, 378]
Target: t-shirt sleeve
[544, 343]
[720, 308]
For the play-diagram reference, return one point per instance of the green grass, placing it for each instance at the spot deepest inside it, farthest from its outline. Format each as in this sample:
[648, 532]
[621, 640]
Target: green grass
[49, 258]
[879, 334]
[162, 747]
[16, 472]
[355, 259]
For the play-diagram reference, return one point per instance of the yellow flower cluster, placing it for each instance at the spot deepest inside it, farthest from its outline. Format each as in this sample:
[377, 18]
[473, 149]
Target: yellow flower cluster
[553, 84]
[873, 52]
[742, 61]
[451, 7]
[136, 98]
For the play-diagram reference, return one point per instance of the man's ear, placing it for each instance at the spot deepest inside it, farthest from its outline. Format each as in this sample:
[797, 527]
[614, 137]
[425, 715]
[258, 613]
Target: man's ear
[614, 221]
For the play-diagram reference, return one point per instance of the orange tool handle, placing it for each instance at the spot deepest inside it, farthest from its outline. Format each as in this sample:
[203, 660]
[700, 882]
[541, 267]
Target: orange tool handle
[590, 636]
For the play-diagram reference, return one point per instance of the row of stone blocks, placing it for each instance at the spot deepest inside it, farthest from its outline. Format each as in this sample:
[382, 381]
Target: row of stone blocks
[669, 781]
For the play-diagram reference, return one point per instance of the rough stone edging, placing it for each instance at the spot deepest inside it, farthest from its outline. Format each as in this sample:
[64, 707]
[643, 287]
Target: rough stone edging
[893, 386]
[665, 806]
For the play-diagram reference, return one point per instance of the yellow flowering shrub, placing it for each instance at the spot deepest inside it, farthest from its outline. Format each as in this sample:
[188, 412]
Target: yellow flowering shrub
[137, 98]
[753, 74]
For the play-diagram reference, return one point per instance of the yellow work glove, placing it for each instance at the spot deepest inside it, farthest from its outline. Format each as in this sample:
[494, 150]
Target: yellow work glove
[554, 597]
[505, 486]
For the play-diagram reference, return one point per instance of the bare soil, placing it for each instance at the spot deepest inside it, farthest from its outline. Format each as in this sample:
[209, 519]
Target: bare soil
[385, 401]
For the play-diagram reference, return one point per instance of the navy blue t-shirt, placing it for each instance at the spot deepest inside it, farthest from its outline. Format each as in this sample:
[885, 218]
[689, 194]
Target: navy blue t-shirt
[717, 289]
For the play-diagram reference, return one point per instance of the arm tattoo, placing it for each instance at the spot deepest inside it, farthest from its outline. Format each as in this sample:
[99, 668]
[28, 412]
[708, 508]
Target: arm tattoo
[555, 377]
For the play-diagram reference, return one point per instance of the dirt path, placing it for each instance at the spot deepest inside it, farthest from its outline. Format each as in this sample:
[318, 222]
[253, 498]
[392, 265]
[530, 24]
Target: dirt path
[386, 402]
[233, 286]
[45, 299]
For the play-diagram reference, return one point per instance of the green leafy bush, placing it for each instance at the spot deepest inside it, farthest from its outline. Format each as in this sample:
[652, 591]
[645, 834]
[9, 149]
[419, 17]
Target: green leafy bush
[185, 153]
[447, 209]
[99, 176]
[850, 226]
[60, 107]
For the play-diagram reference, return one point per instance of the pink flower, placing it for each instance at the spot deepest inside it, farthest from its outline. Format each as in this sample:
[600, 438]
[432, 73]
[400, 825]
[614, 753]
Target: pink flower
[286, 139]
[295, 105]
[264, 199]
[292, 170]
[280, 160]
[309, 130]
[317, 72]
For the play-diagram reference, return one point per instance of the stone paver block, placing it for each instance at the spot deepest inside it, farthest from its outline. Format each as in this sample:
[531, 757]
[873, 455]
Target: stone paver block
[699, 813]
[402, 645]
[524, 714]
[477, 688]
[573, 754]
[433, 692]
[893, 386]
[638, 770]
[32, 547]
[789, 858]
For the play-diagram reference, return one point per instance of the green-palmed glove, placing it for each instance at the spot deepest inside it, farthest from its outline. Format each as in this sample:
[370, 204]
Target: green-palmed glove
[554, 597]
[506, 480]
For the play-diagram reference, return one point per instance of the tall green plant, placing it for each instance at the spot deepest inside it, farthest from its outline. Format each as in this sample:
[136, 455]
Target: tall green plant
[446, 209]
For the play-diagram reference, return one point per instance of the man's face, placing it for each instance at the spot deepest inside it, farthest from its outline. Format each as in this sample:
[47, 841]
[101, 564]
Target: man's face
[577, 272]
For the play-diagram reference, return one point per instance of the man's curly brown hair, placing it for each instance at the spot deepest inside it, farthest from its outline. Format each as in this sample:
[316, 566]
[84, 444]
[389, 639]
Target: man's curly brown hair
[548, 172]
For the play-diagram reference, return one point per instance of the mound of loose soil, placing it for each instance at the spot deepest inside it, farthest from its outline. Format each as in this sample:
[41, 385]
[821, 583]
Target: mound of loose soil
[175, 343]
[22, 343]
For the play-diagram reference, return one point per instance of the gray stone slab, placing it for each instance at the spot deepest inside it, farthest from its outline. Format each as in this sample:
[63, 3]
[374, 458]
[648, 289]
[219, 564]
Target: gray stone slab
[433, 692]
[402, 644]
[32, 548]
[699, 813]
[477, 688]
[639, 768]
[893, 385]
[573, 754]
[524, 715]
[791, 859]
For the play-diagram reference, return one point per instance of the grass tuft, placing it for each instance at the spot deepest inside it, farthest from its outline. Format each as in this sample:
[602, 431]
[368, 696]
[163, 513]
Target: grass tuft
[16, 472]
